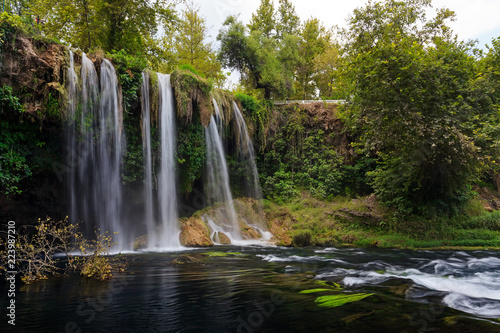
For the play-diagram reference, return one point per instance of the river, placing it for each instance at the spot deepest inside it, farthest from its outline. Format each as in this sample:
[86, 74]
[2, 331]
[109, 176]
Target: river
[273, 289]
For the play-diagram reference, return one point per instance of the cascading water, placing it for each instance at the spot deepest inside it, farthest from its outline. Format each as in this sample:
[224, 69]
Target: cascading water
[148, 168]
[110, 153]
[247, 154]
[71, 133]
[218, 190]
[169, 236]
[96, 145]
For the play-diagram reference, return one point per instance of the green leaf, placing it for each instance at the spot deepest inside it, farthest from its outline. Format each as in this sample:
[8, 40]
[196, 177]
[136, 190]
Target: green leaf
[311, 291]
[332, 301]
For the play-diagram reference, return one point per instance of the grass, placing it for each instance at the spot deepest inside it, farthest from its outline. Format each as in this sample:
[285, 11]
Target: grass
[317, 223]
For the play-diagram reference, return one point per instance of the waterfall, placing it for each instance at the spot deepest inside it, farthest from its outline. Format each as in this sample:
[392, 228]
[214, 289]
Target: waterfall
[70, 137]
[110, 152]
[148, 168]
[96, 143]
[247, 154]
[218, 190]
[169, 236]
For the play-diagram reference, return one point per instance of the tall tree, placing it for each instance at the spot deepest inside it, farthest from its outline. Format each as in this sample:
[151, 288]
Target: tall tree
[326, 67]
[107, 24]
[264, 20]
[192, 47]
[255, 56]
[412, 99]
[288, 22]
[313, 40]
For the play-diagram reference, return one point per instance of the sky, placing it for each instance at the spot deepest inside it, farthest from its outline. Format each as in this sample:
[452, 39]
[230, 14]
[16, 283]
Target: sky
[476, 19]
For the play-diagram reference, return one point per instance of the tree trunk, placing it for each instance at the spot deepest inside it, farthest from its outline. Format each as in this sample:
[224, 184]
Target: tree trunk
[267, 93]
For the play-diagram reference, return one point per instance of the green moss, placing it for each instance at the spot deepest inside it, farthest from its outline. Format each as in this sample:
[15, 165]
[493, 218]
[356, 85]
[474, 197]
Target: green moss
[312, 291]
[129, 71]
[332, 301]
[332, 285]
[192, 93]
[302, 238]
[319, 218]
[190, 154]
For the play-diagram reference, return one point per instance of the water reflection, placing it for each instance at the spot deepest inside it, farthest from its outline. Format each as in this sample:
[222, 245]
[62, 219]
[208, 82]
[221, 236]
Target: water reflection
[255, 289]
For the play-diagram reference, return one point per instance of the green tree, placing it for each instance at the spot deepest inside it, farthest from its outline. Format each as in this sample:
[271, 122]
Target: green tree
[326, 71]
[314, 38]
[107, 24]
[288, 22]
[20, 8]
[484, 127]
[412, 102]
[264, 20]
[255, 56]
[14, 166]
[191, 46]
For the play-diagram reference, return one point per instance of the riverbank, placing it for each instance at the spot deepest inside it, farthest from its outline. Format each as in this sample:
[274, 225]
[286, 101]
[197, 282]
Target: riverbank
[363, 222]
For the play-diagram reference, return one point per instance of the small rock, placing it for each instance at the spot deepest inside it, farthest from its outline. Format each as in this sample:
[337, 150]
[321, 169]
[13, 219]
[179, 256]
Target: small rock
[223, 239]
[194, 233]
[185, 259]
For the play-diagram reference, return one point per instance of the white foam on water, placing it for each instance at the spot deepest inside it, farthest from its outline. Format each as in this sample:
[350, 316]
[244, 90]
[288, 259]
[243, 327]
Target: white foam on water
[475, 306]
[471, 284]
[295, 258]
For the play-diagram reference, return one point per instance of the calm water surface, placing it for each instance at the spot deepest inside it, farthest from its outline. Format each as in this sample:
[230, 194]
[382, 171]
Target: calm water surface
[256, 289]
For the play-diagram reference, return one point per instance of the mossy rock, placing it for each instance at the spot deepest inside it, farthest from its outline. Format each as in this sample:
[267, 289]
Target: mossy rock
[194, 233]
[223, 239]
[185, 259]
[302, 238]
[140, 242]
[192, 90]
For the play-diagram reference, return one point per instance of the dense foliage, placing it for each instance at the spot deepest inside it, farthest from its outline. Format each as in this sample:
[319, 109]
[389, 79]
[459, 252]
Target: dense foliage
[280, 57]
[422, 107]
[417, 106]
[25, 150]
[13, 163]
[190, 154]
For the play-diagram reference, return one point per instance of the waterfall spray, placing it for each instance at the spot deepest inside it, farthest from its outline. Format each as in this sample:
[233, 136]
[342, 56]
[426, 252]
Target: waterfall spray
[148, 168]
[96, 145]
[169, 236]
[218, 189]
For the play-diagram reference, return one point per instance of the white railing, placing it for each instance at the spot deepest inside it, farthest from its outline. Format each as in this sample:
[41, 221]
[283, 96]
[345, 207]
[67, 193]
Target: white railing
[327, 101]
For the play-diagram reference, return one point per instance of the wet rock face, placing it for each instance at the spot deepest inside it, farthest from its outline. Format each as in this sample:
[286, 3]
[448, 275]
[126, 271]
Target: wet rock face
[35, 69]
[248, 232]
[223, 239]
[194, 232]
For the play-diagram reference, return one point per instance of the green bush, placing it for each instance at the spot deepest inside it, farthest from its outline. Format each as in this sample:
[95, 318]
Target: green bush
[14, 165]
[302, 238]
[190, 154]
[280, 187]
[490, 221]
[128, 69]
